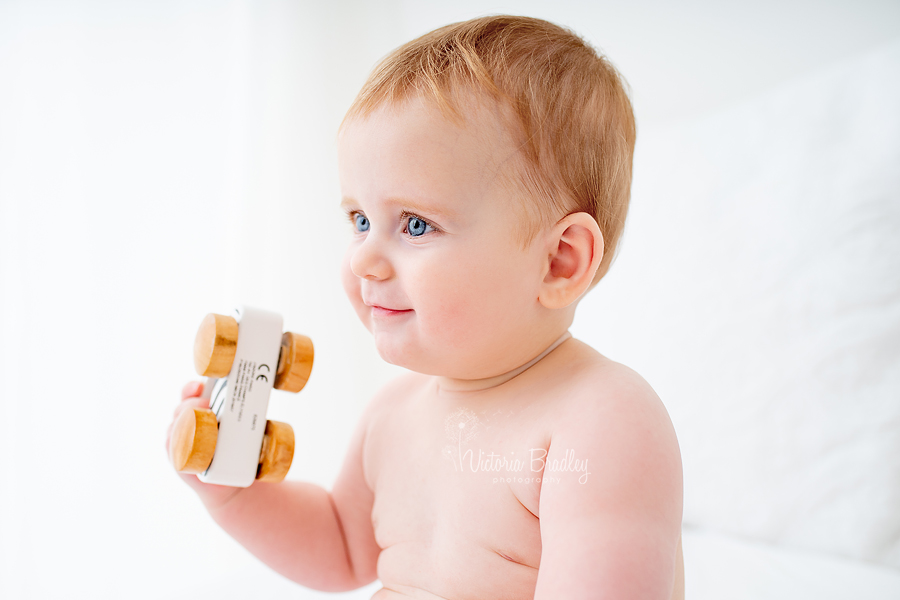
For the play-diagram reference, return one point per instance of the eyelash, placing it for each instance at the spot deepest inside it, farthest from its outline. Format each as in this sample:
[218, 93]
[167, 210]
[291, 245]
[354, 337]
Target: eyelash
[404, 218]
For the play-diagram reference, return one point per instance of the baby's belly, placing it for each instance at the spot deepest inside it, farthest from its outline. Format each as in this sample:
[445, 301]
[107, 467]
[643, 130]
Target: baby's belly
[454, 572]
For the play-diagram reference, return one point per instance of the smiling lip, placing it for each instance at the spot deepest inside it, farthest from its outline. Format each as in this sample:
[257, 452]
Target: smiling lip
[380, 311]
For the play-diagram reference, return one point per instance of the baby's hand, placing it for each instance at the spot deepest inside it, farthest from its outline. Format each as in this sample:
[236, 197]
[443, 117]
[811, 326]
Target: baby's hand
[212, 496]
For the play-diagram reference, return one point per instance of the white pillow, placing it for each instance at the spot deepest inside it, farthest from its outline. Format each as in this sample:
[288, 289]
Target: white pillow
[757, 289]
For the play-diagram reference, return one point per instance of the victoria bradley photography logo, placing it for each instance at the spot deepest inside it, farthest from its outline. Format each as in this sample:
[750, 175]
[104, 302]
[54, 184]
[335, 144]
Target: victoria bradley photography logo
[463, 426]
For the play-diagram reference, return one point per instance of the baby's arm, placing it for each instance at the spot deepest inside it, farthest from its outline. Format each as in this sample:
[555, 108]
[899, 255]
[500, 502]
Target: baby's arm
[323, 540]
[618, 534]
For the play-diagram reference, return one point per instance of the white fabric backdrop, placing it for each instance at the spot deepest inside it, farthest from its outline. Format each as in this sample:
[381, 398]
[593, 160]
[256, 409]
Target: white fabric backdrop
[162, 160]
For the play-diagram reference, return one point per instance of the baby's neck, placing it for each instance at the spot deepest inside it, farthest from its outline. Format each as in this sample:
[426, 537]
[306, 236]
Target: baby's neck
[448, 384]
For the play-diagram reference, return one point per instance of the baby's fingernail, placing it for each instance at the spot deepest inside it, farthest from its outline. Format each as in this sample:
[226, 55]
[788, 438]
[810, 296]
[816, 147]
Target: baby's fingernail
[194, 388]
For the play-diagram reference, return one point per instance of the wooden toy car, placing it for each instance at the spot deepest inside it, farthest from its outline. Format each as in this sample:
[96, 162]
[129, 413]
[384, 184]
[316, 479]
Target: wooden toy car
[243, 357]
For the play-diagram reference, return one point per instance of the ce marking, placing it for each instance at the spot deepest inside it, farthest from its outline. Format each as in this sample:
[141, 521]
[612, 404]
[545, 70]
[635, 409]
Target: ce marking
[261, 375]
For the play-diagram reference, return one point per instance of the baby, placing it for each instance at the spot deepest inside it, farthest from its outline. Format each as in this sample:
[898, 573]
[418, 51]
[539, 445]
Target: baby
[485, 170]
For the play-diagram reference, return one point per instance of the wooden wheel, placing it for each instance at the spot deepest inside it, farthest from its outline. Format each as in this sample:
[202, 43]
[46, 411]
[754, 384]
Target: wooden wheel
[193, 440]
[215, 345]
[277, 452]
[294, 363]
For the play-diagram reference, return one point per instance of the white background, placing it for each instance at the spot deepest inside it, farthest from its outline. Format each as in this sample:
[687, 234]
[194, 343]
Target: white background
[162, 160]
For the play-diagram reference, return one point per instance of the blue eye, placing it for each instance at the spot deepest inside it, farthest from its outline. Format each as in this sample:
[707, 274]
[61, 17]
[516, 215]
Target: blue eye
[417, 227]
[361, 222]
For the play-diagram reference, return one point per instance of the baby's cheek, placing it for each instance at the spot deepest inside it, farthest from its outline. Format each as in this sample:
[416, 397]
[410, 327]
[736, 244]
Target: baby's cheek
[494, 295]
[348, 279]
[353, 289]
[453, 309]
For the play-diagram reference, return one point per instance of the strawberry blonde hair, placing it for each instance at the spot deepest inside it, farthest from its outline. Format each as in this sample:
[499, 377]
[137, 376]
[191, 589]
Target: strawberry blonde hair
[568, 111]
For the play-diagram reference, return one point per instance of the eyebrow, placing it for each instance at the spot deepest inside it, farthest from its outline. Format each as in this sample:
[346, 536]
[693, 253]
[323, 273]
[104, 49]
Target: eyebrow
[409, 205]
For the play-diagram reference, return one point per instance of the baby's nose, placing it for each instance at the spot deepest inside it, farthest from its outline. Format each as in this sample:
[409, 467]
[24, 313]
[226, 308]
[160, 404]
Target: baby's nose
[369, 260]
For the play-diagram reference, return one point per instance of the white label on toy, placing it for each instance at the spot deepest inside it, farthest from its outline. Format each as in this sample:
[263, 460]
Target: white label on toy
[241, 400]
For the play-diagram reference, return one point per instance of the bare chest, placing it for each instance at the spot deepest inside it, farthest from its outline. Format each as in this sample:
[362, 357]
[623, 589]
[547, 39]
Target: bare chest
[457, 488]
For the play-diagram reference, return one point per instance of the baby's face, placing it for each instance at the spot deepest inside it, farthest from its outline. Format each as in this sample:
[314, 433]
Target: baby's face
[433, 268]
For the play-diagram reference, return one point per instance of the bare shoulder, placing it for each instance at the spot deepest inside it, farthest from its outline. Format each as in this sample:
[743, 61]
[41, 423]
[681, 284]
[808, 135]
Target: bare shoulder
[601, 388]
[393, 394]
[387, 406]
[613, 414]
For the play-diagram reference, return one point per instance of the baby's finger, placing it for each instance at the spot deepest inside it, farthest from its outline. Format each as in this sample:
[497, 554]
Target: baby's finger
[190, 402]
[192, 389]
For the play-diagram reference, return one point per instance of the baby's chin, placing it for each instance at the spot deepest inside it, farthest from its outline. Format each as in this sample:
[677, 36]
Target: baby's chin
[424, 360]
[406, 353]
[395, 349]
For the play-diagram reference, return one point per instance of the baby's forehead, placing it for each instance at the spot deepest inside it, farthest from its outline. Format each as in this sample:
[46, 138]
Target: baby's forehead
[490, 121]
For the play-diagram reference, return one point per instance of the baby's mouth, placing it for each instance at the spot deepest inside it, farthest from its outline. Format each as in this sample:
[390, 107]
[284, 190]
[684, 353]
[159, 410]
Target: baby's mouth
[380, 311]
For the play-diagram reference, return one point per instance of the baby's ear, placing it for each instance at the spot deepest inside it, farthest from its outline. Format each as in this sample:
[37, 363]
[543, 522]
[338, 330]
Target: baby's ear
[576, 249]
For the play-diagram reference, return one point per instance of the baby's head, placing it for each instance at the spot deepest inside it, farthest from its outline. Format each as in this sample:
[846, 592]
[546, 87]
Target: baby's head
[509, 142]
